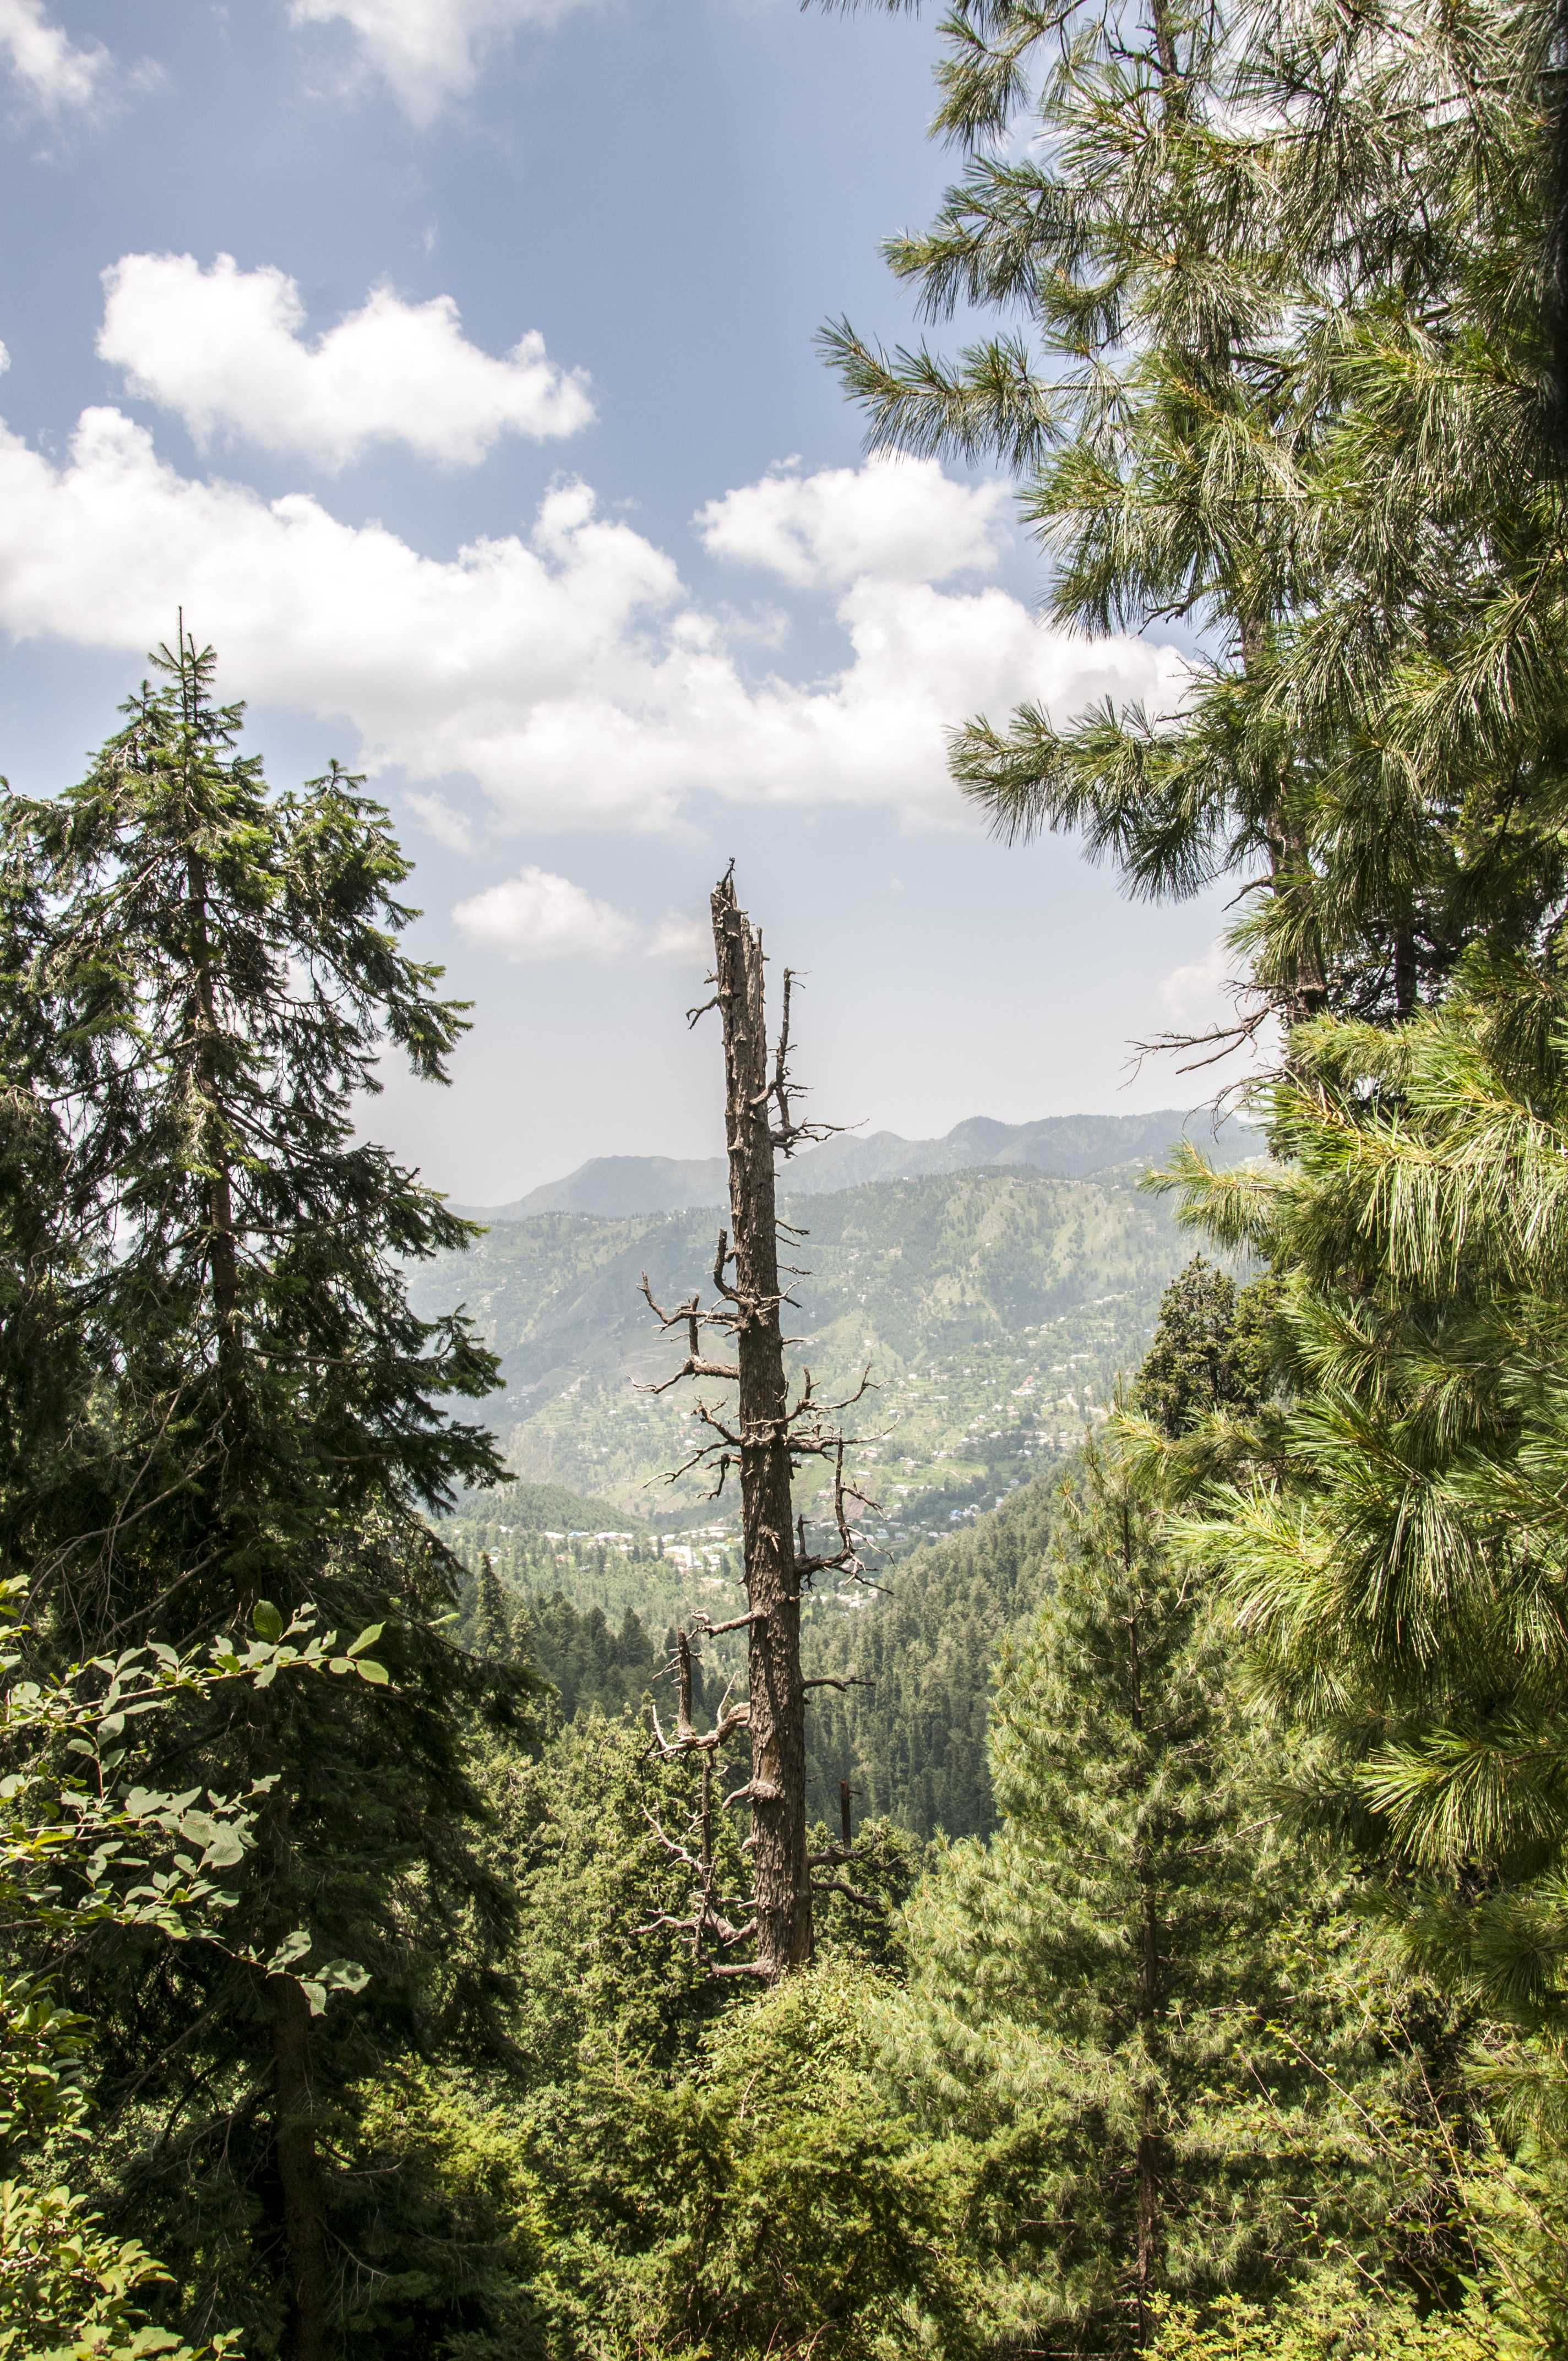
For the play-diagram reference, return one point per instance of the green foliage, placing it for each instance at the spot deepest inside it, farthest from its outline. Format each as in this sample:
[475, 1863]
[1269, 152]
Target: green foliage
[1326, 2321]
[201, 977]
[1213, 1352]
[84, 1843]
[912, 1744]
[549, 1508]
[576, 1829]
[1396, 1568]
[1284, 360]
[69, 2292]
[1116, 2000]
[586, 1663]
[1393, 1552]
[769, 2204]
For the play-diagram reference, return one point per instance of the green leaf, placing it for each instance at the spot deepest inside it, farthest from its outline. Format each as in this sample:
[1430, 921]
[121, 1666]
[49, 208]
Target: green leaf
[369, 1669]
[265, 1621]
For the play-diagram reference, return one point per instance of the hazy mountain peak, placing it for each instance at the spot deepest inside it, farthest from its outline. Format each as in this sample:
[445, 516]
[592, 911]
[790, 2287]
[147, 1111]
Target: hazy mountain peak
[1071, 1146]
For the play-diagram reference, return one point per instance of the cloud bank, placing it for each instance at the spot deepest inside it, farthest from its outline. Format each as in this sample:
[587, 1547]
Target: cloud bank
[899, 521]
[224, 348]
[567, 669]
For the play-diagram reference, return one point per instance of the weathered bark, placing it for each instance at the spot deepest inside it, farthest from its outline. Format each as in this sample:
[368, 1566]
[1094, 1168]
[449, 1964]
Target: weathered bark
[299, 2170]
[781, 1876]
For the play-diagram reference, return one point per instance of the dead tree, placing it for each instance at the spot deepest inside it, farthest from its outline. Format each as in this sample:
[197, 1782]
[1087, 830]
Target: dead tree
[763, 1436]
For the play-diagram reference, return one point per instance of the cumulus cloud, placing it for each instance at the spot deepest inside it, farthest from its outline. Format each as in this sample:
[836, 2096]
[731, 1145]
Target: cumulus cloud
[52, 73]
[900, 519]
[225, 348]
[566, 669]
[429, 51]
[686, 940]
[535, 916]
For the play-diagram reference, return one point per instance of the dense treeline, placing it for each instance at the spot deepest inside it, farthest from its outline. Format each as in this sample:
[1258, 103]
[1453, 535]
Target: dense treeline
[913, 1743]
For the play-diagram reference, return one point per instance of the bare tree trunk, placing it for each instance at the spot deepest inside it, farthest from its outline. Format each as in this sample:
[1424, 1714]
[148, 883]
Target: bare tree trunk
[778, 1699]
[298, 2169]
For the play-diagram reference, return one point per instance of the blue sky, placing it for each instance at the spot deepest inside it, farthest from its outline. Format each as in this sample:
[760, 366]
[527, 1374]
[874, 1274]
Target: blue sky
[451, 362]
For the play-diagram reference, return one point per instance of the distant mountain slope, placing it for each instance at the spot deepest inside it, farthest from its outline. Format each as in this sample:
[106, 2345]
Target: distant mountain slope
[993, 1307]
[1070, 1145]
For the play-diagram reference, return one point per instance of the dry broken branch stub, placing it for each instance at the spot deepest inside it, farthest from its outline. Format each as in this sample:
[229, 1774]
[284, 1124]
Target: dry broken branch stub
[767, 1438]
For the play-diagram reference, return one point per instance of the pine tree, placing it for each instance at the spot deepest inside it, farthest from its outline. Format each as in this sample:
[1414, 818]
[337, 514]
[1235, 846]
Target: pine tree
[1259, 386]
[199, 978]
[1092, 1993]
[1395, 1558]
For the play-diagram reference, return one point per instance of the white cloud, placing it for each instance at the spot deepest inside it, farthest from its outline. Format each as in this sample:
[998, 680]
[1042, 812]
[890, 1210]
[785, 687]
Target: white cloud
[1192, 997]
[1199, 998]
[53, 73]
[902, 520]
[535, 916]
[568, 670]
[224, 349]
[429, 51]
[440, 819]
[687, 939]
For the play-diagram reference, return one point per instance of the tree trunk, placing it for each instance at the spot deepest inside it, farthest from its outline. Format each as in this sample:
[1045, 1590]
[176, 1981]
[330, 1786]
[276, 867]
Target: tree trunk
[1148, 2112]
[294, 2134]
[1149, 2002]
[223, 1252]
[782, 1875]
[1405, 983]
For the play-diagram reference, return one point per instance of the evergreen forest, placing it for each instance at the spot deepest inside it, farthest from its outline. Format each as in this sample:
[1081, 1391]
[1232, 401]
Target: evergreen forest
[458, 1917]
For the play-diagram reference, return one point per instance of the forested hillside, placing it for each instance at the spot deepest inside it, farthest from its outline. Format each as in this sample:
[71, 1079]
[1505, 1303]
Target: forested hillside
[586, 1615]
[994, 1309]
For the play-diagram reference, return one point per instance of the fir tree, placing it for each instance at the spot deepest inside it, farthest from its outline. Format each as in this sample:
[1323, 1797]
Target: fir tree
[1211, 1350]
[1090, 1993]
[201, 975]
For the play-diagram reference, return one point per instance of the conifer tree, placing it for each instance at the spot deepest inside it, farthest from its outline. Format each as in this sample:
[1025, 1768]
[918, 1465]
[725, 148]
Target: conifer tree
[1092, 1992]
[1210, 1352]
[1395, 1558]
[1259, 386]
[199, 976]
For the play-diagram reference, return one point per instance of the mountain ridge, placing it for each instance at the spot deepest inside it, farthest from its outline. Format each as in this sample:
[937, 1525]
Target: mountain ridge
[1066, 1147]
